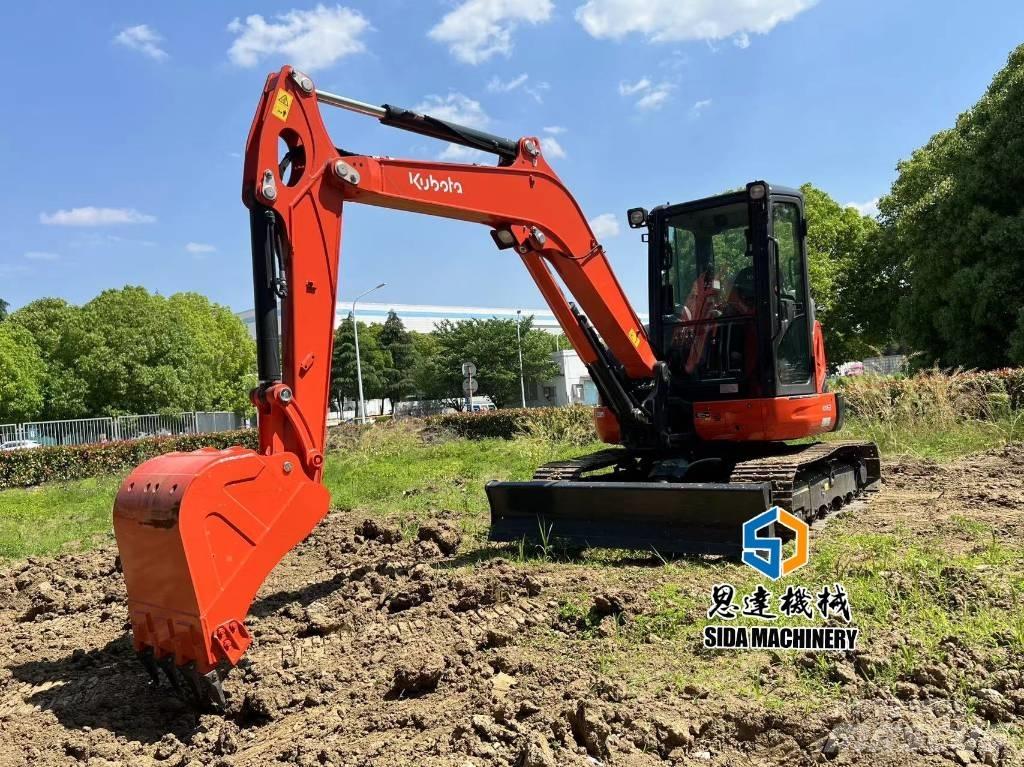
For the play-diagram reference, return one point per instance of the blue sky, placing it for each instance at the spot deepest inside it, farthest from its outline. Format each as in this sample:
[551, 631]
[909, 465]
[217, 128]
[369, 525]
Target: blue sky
[123, 125]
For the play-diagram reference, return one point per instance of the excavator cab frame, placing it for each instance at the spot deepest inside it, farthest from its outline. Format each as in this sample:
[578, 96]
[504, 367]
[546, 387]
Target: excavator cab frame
[774, 229]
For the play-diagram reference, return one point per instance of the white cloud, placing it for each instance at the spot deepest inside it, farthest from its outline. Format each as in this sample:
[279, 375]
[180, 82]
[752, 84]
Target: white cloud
[742, 40]
[9, 269]
[628, 89]
[497, 85]
[41, 255]
[478, 29]
[464, 154]
[606, 225]
[698, 108]
[90, 216]
[143, 39]
[130, 241]
[456, 108]
[869, 208]
[655, 97]
[650, 96]
[535, 90]
[309, 39]
[199, 248]
[551, 148]
[554, 130]
[672, 20]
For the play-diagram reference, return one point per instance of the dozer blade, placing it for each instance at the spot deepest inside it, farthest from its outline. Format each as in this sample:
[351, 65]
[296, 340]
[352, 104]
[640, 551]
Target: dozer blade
[198, 533]
[669, 518]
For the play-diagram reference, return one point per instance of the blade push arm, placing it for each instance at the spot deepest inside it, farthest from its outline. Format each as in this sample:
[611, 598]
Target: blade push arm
[522, 200]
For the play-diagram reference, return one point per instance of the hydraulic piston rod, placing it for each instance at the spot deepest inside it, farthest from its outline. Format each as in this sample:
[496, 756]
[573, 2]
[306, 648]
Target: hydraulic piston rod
[425, 125]
[343, 102]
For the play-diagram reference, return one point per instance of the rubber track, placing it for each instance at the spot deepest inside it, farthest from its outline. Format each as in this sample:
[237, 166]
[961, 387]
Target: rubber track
[784, 471]
[574, 468]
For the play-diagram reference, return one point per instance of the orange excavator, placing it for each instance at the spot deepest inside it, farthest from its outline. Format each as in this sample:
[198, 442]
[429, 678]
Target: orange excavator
[700, 403]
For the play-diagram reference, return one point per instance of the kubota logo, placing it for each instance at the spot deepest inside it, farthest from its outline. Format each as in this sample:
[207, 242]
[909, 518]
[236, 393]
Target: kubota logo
[430, 184]
[773, 564]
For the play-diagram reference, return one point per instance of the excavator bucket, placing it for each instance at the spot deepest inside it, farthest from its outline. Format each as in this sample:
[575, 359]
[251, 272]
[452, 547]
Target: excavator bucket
[198, 532]
[668, 518]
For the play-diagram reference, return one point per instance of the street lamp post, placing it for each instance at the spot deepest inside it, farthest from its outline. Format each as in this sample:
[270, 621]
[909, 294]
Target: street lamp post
[359, 365]
[519, 343]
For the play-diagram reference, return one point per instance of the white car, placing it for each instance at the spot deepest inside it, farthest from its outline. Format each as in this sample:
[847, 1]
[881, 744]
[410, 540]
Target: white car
[19, 444]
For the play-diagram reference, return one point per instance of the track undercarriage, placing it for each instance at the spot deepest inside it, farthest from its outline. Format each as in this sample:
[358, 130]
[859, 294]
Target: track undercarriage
[691, 503]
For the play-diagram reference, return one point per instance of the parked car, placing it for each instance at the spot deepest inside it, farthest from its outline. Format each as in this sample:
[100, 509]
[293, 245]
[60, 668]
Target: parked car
[18, 444]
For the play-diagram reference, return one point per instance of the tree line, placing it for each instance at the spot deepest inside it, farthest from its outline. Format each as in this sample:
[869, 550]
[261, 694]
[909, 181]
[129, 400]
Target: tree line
[129, 351]
[939, 273]
[398, 363]
[126, 351]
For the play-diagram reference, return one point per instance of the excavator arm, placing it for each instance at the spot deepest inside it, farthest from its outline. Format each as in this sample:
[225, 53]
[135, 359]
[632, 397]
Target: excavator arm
[199, 532]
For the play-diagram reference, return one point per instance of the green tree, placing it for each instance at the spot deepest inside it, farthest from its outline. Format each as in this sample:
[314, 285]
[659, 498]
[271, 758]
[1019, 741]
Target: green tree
[491, 345]
[217, 355]
[953, 227]
[373, 360]
[841, 252]
[3, 309]
[56, 327]
[400, 352]
[429, 381]
[22, 375]
[145, 353]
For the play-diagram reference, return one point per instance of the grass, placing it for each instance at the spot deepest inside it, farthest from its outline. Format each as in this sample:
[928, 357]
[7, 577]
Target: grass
[392, 472]
[396, 473]
[910, 595]
[933, 414]
[63, 516]
[924, 439]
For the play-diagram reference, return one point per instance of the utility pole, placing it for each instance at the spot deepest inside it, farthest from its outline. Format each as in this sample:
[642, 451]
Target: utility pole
[519, 343]
[361, 415]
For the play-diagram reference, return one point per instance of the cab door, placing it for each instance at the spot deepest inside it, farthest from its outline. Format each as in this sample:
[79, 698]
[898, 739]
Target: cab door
[793, 310]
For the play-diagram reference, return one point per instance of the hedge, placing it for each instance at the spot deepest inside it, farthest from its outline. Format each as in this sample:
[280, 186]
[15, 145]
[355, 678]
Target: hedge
[24, 468]
[930, 394]
[573, 424]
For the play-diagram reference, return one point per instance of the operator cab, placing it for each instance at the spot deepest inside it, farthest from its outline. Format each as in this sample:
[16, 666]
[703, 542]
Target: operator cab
[731, 312]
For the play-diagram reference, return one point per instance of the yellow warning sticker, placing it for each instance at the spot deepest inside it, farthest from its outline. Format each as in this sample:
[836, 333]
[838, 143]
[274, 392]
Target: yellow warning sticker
[282, 104]
[634, 337]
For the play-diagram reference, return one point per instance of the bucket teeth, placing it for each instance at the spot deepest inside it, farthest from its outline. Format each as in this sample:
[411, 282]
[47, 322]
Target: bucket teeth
[166, 664]
[213, 684]
[202, 692]
[148, 661]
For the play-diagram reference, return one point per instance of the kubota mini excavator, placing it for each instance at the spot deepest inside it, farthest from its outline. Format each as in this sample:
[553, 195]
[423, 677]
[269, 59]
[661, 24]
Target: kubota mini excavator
[700, 403]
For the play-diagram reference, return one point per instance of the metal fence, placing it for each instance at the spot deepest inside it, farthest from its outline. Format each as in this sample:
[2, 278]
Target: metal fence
[82, 431]
[887, 365]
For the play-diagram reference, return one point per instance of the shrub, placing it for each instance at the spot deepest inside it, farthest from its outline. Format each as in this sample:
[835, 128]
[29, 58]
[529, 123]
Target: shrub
[934, 397]
[559, 424]
[23, 468]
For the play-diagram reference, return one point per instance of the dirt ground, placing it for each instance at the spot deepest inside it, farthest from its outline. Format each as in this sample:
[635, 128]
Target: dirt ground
[374, 650]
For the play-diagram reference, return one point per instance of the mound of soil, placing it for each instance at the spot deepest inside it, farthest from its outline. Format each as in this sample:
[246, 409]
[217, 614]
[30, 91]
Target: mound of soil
[374, 650]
